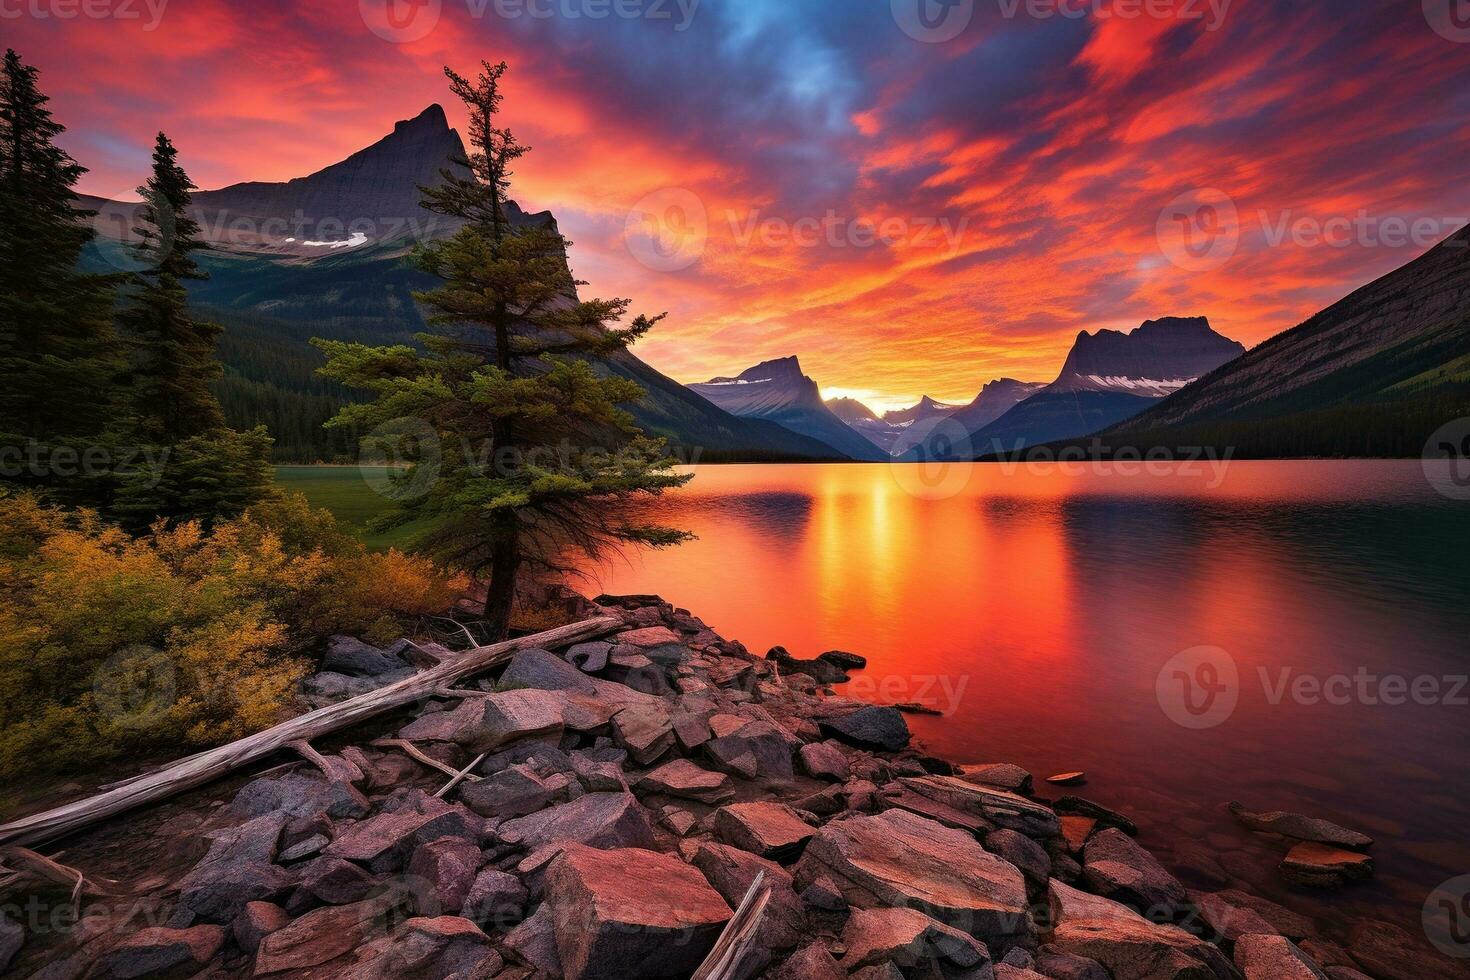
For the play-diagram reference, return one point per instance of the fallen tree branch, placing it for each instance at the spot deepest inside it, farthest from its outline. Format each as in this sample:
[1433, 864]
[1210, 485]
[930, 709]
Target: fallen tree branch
[205, 767]
[27, 863]
[739, 936]
[414, 753]
[460, 776]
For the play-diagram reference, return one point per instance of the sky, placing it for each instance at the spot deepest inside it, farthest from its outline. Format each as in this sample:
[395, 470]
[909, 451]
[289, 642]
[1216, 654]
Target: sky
[913, 196]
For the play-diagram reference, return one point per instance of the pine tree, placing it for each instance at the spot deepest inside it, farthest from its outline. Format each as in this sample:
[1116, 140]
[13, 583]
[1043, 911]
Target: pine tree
[174, 354]
[58, 354]
[518, 452]
[198, 468]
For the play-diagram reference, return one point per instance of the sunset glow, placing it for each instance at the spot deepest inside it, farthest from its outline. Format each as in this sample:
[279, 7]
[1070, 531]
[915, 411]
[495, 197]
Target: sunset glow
[1015, 177]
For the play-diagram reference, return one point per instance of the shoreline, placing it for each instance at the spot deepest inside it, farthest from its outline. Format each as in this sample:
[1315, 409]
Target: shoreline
[664, 746]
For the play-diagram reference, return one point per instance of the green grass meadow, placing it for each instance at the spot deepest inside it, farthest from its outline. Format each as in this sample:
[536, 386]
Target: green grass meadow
[348, 494]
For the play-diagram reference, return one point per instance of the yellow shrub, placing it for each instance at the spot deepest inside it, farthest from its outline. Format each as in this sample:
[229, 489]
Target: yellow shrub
[111, 644]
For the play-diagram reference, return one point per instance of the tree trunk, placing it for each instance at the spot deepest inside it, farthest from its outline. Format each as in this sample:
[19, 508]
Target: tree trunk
[500, 593]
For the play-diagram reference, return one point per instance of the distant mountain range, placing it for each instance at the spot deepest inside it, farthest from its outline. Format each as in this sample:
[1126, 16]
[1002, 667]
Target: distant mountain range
[325, 255]
[889, 432]
[779, 392]
[1109, 377]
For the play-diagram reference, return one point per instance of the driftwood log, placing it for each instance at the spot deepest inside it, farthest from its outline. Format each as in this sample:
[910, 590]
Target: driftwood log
[738, 940]
[205, 767]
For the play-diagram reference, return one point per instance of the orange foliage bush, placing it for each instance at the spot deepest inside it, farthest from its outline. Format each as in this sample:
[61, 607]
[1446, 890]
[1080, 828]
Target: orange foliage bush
[111, 644]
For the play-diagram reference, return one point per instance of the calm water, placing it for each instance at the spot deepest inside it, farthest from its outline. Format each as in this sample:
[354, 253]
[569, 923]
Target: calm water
[1039, 610]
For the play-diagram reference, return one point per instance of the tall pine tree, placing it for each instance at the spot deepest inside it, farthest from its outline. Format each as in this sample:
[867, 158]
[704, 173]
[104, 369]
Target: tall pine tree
[519, 452]
[197, 468]
[58, 354]
[173, 352]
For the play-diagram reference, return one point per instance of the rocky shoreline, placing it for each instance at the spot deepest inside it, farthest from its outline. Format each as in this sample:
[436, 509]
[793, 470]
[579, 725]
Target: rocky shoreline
[601, 811]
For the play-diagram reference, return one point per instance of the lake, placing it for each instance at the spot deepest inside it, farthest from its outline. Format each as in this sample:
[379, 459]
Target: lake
[1290, 635]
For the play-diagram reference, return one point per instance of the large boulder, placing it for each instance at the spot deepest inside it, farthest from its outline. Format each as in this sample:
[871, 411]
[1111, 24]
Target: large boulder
[754, 750]
[908, 938]
[1231, 914]
[441, 873]
[1024, 853]
[496, 899]
[483, 724]
[899, 859]
[732, 871]
[1274, 958]
[869, 728]
[516, 791]
[1116, 866]
[299, 794]
[824, 760]
[770, 830]
[330, 881]
[645, 731]
[385, 841]
[1299, 827]
[346, 655]
[996, 806]
[1136, 949]
[256, 921]
[658, 643]
[543, 671]
[604, 820]
[631, 912]
[1003, 775]
[430, 948]
[159, 952]
[813, 962]
[319, 937]
[238, 869]
[684, 779]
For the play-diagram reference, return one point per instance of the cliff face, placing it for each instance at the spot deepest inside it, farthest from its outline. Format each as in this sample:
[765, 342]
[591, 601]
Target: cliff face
[1160, 356]
[1110, 377]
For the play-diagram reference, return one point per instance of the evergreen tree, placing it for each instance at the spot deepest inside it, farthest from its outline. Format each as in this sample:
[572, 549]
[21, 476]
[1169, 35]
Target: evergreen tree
[174, 354]
[519, 454]
[185, 464]
[58, 354]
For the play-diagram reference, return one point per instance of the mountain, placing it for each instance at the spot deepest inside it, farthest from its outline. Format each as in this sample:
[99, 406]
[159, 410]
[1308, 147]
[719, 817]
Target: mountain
[326, 256]
[851, 411]
[927, 408]
[779, 392]
[1110, 377]
[1372, 375]
[994, 400]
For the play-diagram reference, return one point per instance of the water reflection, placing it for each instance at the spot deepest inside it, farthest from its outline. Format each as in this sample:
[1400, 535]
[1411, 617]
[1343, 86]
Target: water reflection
[1048, 605]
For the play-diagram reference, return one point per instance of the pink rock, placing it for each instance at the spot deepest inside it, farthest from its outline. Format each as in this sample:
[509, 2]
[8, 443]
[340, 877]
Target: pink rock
[770, 830]
[156, 951]
[631, 912]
